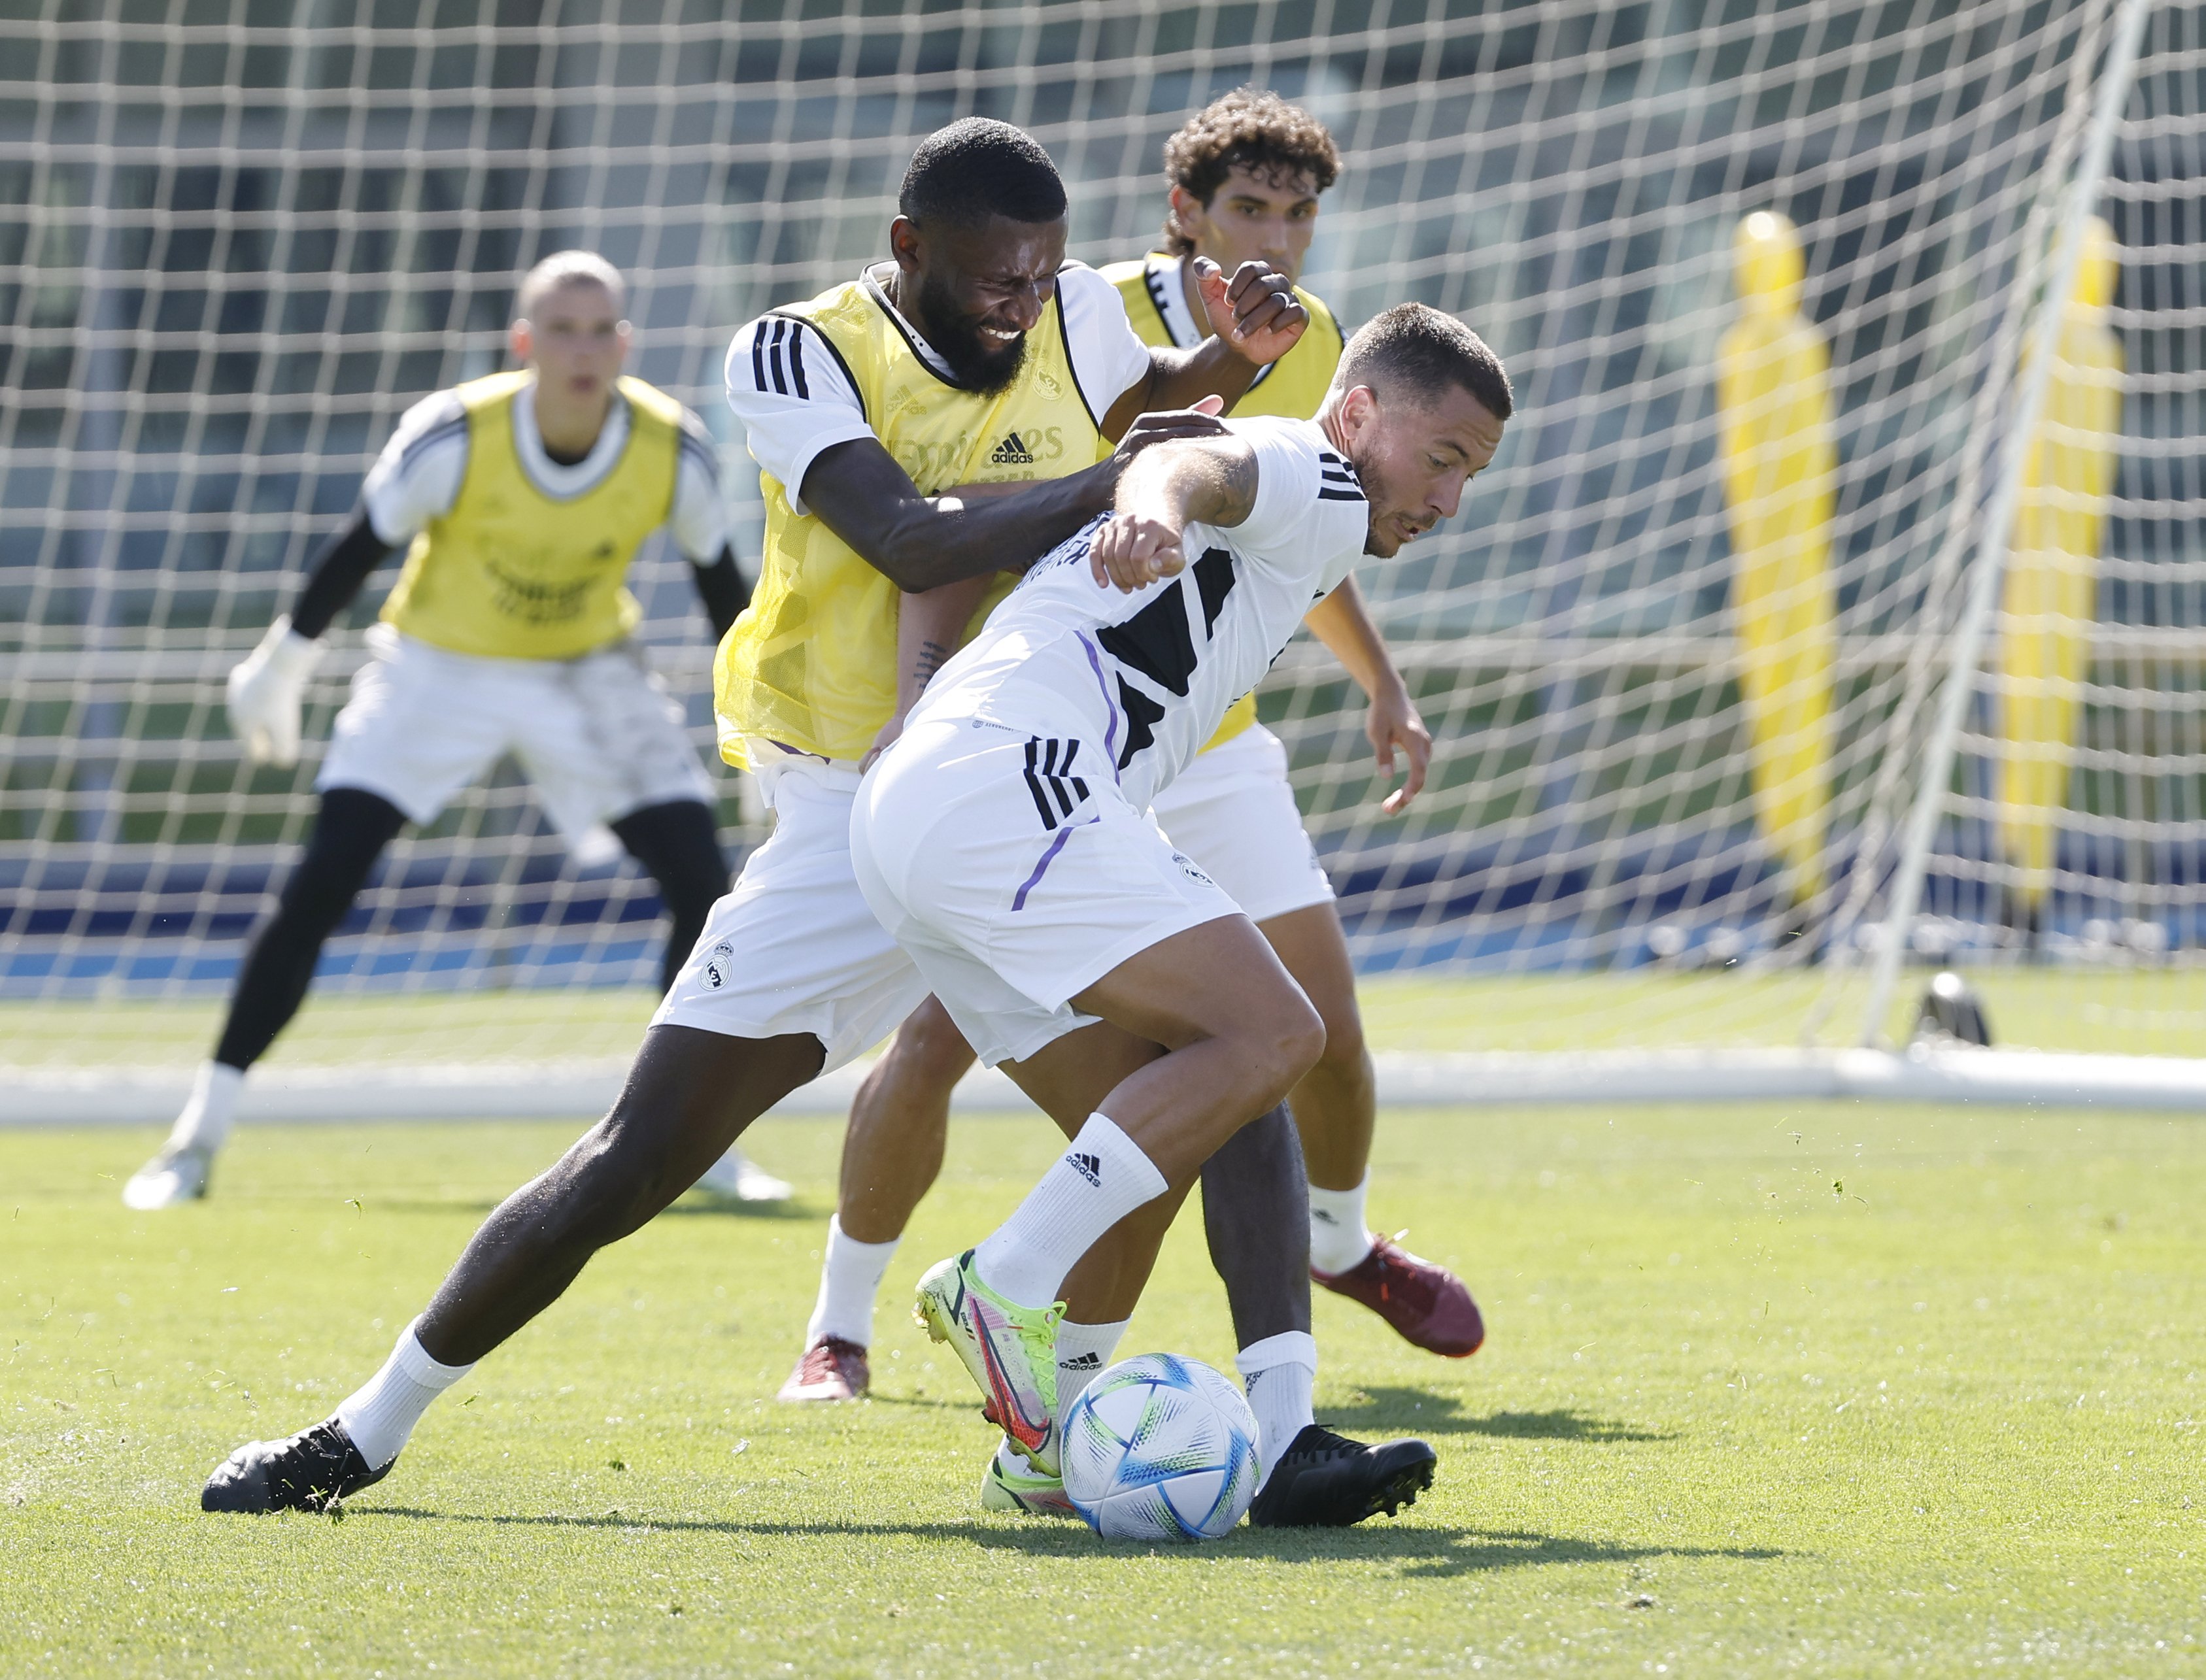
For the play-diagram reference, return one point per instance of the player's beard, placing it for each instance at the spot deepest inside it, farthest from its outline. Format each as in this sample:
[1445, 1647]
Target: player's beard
[981, 368]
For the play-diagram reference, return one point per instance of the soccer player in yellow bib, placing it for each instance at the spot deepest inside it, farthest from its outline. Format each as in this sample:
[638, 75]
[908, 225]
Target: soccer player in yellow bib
[1246, 174]
[975, 353]
[519, 501]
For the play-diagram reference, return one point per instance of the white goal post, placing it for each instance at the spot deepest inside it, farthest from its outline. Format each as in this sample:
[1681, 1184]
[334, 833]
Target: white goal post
[1752, 700]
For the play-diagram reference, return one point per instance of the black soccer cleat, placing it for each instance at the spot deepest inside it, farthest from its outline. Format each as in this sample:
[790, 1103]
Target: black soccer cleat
[312, 1471]
[1328, 1481]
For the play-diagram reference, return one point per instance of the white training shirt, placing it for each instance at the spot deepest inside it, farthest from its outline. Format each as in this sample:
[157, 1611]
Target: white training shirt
[1148, 677]
[417, 477]
[789, 388]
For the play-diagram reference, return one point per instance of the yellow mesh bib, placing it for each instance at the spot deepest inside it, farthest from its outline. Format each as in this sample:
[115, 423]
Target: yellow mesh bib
[1293, 387]
[511, 573]
[812, 662]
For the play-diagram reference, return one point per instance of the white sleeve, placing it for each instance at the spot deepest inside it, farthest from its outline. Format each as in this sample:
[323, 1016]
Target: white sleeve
[789, 388]
[1310, 513]
[698, 522]
[1107, 358]
[417, 477]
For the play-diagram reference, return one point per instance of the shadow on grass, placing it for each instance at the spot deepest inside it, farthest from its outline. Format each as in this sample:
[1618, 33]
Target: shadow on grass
[1417, 1411]
[691, 1206]
[1421, 1550]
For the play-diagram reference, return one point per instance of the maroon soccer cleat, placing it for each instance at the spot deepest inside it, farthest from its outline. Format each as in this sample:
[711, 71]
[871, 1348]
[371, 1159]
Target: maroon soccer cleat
[1422, 1300]
[832, 1369]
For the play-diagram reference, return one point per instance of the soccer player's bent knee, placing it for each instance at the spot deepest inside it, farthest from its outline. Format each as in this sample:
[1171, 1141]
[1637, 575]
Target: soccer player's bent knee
[1283, 1041]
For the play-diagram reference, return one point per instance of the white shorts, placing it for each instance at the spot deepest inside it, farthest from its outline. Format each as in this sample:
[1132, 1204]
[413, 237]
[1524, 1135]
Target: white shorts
[1015, 888]
[1232, 811]
[598, 736]
[793, 948]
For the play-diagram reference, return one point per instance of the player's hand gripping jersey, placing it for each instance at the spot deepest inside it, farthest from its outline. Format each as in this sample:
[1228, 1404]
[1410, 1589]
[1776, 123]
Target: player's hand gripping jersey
[1143, 679]
[1292, 388]
[1155, 293]
[1005, 839]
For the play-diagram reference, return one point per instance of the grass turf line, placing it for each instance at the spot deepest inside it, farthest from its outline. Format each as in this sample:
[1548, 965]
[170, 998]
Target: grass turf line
[1834, 1389]
[2158, 1011]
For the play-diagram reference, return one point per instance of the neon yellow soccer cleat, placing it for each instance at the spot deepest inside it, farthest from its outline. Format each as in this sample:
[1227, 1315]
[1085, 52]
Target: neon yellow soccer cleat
[1004, 1487]
[1010, 1352]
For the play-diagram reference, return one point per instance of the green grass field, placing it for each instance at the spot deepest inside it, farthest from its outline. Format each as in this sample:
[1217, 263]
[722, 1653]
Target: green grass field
[2145, 1012]
[1829, 1390]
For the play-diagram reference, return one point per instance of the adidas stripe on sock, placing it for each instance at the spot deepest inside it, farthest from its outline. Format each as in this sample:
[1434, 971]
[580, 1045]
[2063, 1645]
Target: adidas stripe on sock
[1280, 1373]
[1339, 1239]
[1083, 1350]
[1099, 1180]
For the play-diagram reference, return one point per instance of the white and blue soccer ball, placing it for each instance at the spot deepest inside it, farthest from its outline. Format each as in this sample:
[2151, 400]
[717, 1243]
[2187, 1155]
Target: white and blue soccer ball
[1160, 1448]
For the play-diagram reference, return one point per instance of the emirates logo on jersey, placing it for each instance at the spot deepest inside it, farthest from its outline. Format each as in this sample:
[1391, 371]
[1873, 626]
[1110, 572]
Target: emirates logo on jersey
[1013, 451]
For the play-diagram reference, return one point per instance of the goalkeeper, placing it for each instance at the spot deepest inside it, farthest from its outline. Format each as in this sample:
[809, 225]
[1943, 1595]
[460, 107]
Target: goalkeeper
[520, 499]
[1245, 173]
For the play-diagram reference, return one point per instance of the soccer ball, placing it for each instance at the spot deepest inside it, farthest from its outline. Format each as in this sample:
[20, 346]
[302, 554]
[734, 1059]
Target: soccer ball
[1160, 1448]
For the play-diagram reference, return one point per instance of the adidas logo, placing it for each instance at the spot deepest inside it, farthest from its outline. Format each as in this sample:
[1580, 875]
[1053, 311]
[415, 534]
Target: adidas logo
[1089, 1167]
[1322, 1217]
[1012, 452]
[1087, 1362]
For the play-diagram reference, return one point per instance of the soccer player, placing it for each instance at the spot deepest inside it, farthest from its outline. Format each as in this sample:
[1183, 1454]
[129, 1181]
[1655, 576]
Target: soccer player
[975, 353]
[1246, 174]
[1005, 839]
[519, 500]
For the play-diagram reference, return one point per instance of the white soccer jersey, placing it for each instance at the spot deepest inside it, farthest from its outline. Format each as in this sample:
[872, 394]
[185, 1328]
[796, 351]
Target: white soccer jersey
[1149, 675]
[786, 384]
[417, 477]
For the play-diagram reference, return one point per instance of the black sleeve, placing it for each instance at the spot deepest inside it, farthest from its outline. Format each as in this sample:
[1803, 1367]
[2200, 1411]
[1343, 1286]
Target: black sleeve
[720, 585]
[338, 572]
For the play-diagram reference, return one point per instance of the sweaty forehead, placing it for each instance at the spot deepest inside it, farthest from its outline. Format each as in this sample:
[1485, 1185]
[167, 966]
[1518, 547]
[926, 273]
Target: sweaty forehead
[1000, 247]
[1471, 424]
[1452, 416]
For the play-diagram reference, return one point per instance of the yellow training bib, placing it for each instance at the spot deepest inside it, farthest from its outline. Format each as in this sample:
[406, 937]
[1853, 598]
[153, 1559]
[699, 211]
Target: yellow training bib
[1293, 387]
[812, 662]
[512, 572]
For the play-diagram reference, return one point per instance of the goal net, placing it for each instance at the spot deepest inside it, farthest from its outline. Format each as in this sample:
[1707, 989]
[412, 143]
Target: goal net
[1732, 732]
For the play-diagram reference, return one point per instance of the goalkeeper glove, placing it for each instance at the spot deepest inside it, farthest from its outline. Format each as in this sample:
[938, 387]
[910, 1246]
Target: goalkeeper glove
[266, 691]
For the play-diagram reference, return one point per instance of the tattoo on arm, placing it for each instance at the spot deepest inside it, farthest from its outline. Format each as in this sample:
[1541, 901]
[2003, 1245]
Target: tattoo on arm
[932, 656]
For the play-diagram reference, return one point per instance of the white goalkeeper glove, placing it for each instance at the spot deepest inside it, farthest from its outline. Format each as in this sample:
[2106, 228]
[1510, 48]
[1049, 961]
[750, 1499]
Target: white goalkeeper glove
[266, 691]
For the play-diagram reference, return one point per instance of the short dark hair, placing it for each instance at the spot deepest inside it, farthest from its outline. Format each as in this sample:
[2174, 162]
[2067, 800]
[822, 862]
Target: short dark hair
[1415, 345]
[977, 167]
[1251, 129]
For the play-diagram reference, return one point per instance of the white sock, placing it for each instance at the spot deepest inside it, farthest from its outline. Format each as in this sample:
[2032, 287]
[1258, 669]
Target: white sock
[849, 1279]
[1338, 1237]
[211, 1110]
[1102, 1179]
[1280, 1373]
[381, 1415]
[1083, 1350]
